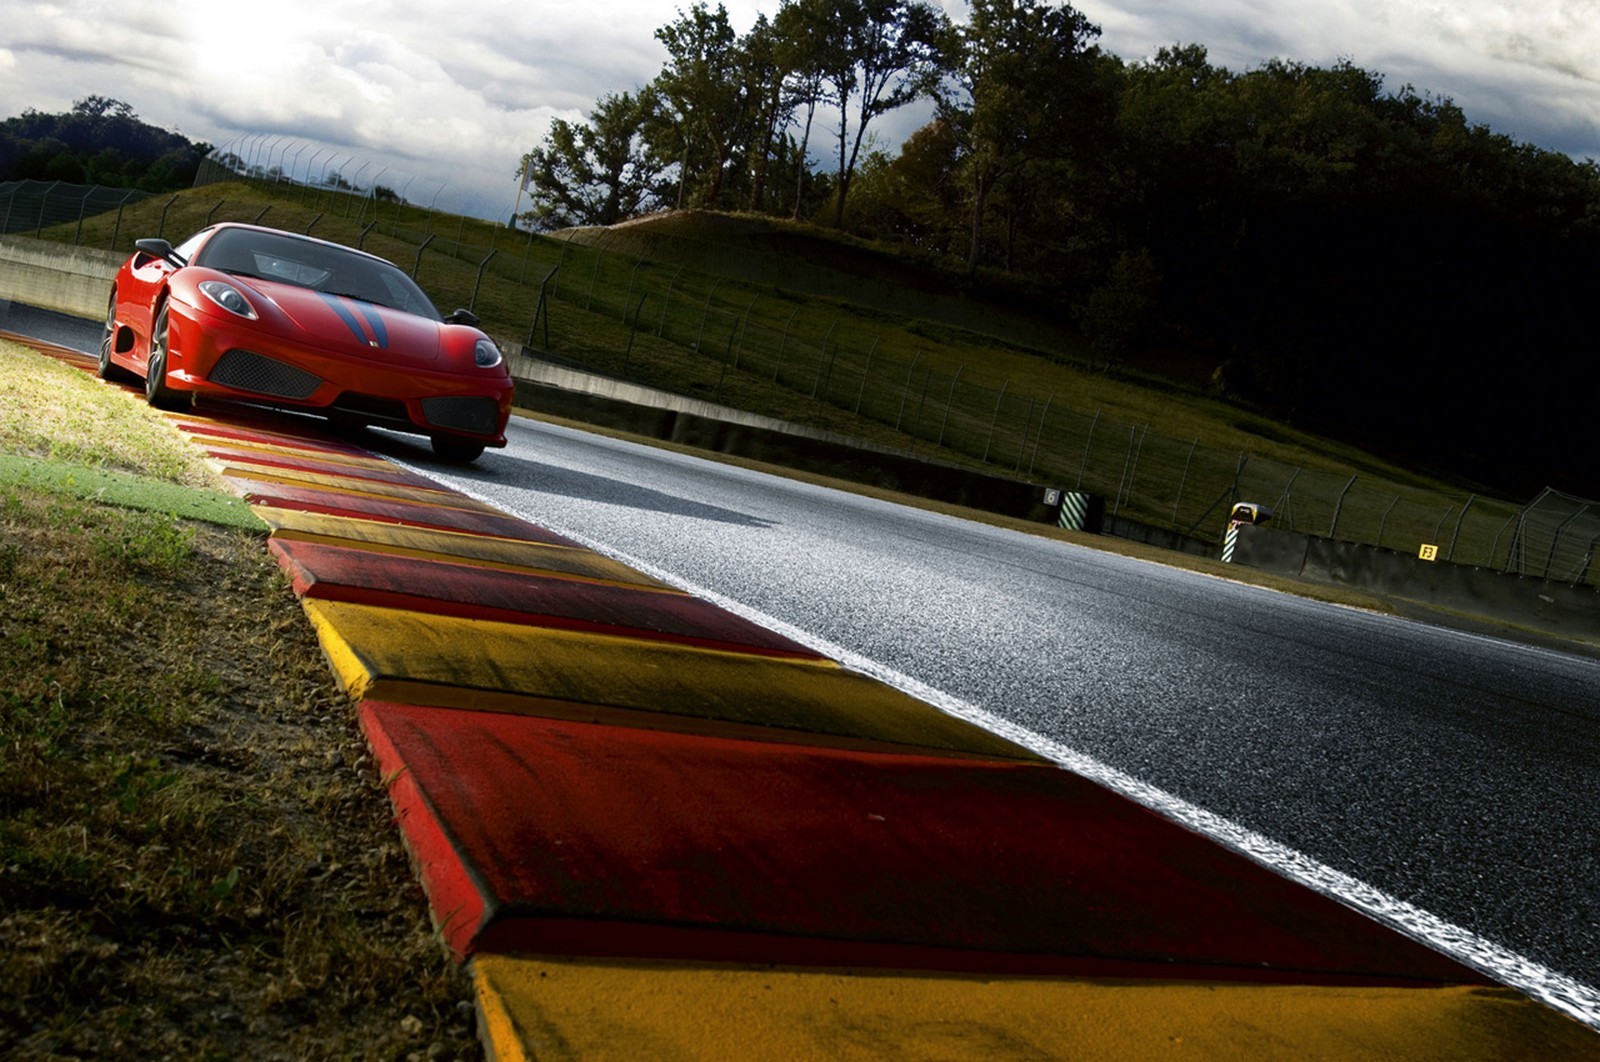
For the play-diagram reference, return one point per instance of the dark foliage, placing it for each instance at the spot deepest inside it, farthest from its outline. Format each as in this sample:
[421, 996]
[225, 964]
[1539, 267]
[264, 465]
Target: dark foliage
[100, 141]
[1364, 261]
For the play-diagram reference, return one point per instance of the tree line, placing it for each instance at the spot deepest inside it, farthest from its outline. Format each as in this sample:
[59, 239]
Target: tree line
[1363, 260]
[99, 141]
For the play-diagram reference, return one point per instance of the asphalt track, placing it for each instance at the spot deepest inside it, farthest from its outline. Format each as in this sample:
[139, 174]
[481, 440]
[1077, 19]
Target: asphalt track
[1452, 772]
[655, 829]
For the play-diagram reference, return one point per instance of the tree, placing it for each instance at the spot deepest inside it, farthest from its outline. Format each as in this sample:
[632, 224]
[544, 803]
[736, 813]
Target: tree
[595, 173]
[102, 107]
[761, 61]
[100, 141]
[884, 51]
[703, 100]
[1019, 77]
[808, 50]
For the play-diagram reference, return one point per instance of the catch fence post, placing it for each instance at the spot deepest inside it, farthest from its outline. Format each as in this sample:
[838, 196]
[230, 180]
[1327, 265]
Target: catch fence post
[783, 345]
[633, 275]
[865, 373]
[704, 313]
[1338, 506]
[816, 381]
[161, 229]
[949, 399]
[472, 304]
[905, 392]
[994, 421]
[661, 328]
[83, 202]
[1384, 522]
[1040, 433]
[1456, 534]
[423, 246]
[1184, 479]
[541, 310]
[1083, 465]
[627, 355]
[740, 332]
[116, 231]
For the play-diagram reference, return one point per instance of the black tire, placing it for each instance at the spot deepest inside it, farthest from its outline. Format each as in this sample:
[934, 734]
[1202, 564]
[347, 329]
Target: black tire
[461, 451]
[108, 369]
[156, 391]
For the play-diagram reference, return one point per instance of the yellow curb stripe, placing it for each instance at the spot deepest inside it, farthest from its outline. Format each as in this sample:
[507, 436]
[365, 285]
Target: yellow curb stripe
[356, 488]
[554, 1008]
[262, 484]
[398, 655]
[242, 467]
[486, 551]
[214, 443]
[347, 664]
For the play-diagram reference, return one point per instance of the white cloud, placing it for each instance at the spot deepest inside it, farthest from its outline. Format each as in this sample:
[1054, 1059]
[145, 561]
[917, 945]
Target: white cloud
[451, 95]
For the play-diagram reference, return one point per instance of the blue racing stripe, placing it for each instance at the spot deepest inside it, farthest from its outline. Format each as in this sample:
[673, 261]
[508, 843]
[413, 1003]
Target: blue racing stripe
[380, 334]
[337, 305]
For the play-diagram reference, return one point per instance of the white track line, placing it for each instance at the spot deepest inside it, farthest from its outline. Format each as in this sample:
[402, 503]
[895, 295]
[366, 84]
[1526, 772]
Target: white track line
[1565, 994]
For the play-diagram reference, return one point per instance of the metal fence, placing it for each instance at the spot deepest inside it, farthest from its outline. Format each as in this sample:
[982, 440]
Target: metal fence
[894, 382]
[1555, 537]
[31, 207]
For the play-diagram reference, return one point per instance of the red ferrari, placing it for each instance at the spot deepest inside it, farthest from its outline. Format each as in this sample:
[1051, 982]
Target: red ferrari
[258, 315]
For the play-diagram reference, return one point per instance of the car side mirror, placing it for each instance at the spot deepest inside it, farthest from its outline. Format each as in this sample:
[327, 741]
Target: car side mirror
[463, 317]
[160, 249]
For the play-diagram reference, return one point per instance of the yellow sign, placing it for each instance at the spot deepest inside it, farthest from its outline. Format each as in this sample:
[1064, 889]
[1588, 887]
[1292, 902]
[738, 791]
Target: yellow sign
[1428, 553]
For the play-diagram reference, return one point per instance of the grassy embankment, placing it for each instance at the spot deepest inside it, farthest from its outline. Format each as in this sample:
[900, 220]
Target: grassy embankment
[196, 857]
[796, 324]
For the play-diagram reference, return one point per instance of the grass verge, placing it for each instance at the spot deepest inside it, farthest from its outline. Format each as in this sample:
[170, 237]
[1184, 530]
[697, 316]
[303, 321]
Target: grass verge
[196, 854]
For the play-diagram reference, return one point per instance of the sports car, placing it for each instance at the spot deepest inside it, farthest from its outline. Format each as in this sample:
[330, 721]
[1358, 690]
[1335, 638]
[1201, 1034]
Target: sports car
[259, 315]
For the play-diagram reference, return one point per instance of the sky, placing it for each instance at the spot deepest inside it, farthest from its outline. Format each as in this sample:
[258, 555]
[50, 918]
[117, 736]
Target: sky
[439, 101]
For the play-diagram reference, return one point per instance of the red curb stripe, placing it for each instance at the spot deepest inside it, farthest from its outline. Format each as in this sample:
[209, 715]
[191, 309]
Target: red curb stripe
[888, 856]
[409, 514]
[219, 430]
[390, 474]
[246, 481]
[367, 577]
[76, 358]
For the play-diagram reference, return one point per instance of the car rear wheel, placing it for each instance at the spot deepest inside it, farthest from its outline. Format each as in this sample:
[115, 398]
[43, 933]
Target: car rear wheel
[108, 369]
[156, 391]
[453, 449]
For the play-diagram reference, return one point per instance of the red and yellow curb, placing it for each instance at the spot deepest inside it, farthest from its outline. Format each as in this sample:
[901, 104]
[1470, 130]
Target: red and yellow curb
[657, 830]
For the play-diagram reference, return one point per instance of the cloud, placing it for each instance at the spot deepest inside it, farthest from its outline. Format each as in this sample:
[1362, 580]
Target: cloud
[452, 95]
[1530, 70]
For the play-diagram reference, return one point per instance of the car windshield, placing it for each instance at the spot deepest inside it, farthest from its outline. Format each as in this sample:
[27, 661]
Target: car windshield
[312, 264]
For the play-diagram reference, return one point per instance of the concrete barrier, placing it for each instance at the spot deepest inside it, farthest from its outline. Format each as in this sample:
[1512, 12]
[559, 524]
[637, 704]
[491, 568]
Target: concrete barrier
[1539, 604]
[773, 441]
[56, 276]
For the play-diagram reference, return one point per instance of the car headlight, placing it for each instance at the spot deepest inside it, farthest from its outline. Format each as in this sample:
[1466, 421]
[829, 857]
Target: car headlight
[486, 354]
[228, 297]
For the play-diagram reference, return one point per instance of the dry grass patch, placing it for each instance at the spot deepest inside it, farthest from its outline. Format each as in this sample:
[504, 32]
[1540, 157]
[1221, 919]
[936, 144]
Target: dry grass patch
[55, 411]
[197, 858]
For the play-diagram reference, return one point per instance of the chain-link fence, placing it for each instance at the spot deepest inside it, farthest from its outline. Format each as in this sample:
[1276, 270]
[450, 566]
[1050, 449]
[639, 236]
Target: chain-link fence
[1555, 537]
[31, 207]
[936, 389]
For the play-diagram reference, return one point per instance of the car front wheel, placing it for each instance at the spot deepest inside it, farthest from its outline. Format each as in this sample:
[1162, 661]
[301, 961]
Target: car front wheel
[156, 391]
[108, 369]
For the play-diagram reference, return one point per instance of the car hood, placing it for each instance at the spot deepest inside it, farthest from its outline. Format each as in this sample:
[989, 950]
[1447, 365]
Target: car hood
[354, 327]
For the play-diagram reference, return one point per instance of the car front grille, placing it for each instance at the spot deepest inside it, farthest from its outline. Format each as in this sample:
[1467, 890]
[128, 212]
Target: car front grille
[478, 415]
[244, 370]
